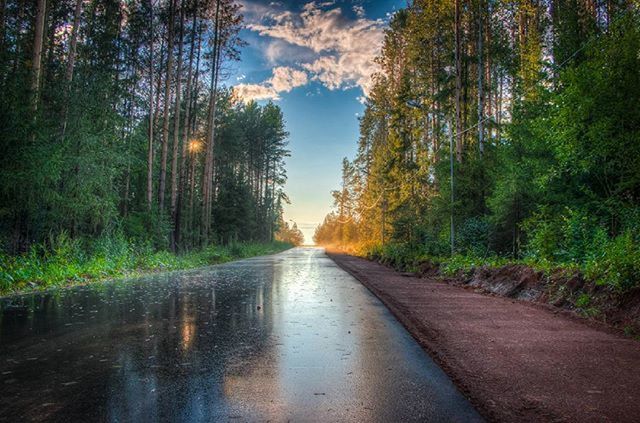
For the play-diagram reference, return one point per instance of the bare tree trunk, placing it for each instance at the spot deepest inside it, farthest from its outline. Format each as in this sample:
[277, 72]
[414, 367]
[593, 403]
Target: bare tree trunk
[159, 83]
[167, 100]
[458, 59]
[37, 52]
[480, 81]
[71, 61]
[151, 122]
[74, 42]
[185, 137]
[176, 131]
[207, 184]
[488, 68]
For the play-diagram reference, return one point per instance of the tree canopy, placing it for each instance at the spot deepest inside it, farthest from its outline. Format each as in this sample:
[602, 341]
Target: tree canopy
[114, 117]
[513, 124]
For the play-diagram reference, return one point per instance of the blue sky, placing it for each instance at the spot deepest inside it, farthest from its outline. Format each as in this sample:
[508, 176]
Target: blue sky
[314, 59]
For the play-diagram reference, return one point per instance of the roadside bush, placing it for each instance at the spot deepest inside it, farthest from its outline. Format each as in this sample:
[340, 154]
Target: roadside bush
[618, 263]
[400, 256]
[472, 236]
[571, 237]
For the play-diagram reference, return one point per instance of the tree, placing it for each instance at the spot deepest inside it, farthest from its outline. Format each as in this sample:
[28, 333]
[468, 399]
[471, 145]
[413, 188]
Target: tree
[88, 162]
[36, 61]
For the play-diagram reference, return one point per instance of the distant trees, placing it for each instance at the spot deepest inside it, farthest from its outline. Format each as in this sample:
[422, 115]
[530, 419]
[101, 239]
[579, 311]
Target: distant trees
[539, 105]
[108, 109]
[289, 234]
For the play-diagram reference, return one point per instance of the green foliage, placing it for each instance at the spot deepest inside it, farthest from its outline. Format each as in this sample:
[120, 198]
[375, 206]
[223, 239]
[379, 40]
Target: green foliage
[76, 155]
[583, 300]
[555, 182]
[571, 237]
[68, 261]
[473, 236]
[617, 262]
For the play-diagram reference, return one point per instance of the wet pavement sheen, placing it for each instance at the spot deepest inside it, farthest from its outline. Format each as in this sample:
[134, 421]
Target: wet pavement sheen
[288, 337]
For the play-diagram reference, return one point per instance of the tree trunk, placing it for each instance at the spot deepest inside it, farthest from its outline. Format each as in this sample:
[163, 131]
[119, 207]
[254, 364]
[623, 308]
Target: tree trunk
[176, 131]
[71, 61]
[159, 82]
[185, 136]
[74, 42]
[458, 59]
[207, 183]
[151, 121]
[36, 61]
[480, 81]
[167, 100]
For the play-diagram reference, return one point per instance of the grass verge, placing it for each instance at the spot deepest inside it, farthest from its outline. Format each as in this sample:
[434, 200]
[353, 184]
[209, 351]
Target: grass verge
[68, 262]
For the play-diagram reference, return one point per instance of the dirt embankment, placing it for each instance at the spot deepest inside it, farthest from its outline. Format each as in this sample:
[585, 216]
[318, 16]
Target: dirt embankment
[568, 291]
[516, 361]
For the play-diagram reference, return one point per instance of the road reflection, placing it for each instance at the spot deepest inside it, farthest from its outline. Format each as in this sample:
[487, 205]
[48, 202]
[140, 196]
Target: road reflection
[288, 336]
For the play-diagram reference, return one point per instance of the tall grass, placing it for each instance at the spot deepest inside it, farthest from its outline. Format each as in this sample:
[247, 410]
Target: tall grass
[69, 261]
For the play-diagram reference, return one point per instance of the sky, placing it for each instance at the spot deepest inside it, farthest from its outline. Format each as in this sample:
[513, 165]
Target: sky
[315, 60]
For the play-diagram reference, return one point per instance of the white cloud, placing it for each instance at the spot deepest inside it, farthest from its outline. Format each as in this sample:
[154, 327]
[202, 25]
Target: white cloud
[248, 92]
[283, 79]
[343, 49]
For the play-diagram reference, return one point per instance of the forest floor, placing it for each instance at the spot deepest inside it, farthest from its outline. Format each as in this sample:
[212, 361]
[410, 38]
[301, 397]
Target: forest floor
[515, 360]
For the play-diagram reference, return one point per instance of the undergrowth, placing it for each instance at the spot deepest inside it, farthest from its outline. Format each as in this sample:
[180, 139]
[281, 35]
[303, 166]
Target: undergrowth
[67, 261]
[615, 264]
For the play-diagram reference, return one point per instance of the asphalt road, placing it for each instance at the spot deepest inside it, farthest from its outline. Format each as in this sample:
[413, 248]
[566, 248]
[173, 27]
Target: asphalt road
[288, 337]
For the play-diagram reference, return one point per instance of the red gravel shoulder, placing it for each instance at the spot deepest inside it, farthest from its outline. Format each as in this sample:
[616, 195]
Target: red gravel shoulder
[516, 362]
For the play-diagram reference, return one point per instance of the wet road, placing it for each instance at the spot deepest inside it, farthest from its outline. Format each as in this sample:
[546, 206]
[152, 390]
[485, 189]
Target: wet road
[289, 337]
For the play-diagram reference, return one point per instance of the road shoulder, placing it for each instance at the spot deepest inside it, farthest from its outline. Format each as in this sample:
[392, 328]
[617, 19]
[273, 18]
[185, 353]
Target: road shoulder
[513, 360]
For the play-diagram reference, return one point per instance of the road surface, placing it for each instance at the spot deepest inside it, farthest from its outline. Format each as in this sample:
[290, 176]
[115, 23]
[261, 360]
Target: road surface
[288, 337]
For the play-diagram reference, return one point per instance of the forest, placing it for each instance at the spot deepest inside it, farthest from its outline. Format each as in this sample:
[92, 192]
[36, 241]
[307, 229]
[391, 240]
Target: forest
[119, 138]
[500, 132]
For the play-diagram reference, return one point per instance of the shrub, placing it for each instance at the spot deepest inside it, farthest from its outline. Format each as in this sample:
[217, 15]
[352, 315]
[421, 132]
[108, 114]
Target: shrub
[472, 236]
[618, 263]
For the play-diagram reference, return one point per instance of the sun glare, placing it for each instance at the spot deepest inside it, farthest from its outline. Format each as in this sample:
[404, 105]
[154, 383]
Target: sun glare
[195, 146]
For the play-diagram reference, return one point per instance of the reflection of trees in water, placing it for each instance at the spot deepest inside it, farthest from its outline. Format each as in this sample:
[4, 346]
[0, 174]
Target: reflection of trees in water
[200, 331]
[207, 332]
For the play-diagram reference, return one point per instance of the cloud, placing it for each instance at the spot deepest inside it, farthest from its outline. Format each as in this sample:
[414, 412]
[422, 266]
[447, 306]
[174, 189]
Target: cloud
[248, 92]
[283, 79]
[343, 50]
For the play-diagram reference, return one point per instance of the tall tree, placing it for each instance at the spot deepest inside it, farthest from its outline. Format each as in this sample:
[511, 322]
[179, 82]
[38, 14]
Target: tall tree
[458, 68]
[150, 143]
[176, 127]
[36, 61]
[167, 101]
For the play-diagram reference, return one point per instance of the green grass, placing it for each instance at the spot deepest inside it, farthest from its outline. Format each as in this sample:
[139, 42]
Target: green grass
[69, 262]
